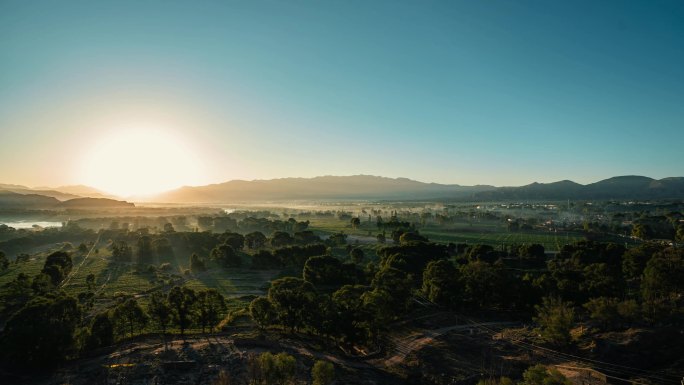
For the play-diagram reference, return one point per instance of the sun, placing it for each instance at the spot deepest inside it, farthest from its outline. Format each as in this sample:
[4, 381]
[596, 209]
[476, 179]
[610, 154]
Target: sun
[140, 162]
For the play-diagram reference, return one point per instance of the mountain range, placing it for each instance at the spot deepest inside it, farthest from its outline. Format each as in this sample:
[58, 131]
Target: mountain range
[369, 187]
[13, 200]
[356, 187]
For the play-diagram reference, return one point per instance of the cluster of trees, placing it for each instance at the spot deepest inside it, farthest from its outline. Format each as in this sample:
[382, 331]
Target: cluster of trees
[601, 282]
[268, 368]
[290, 256]
[342, 302]
[22, 288]
[50, 327]
[20, 240]
[224, 249]
[534, 375]
[237, 222]
[659, 227]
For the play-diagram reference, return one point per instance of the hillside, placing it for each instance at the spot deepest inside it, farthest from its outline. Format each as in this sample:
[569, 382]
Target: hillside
[323, 187]
[361, 187]
[13, 200]
[59, 195]
[10, 199]
[619, 187]
[85, 203]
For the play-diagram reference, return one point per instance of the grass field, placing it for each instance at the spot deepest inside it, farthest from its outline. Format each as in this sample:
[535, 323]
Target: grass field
[494, 234]
[112, 278]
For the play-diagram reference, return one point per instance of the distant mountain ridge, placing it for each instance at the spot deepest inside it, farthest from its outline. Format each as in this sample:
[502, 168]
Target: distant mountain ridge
[356, 187]
[619, 187]
[62, 193]
[13, 200]
[359, 187]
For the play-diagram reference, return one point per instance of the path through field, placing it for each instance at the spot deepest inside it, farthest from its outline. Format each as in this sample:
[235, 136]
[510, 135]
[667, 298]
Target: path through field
[76, 270]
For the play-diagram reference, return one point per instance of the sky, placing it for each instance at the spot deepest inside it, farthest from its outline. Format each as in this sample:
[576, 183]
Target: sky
[468, 92]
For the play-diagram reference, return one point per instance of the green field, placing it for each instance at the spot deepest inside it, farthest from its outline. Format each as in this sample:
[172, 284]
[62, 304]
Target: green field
[489, 233]
[112, 279]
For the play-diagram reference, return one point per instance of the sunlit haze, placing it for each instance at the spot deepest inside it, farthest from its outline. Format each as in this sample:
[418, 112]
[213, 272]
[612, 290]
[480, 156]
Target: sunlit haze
[468, 92]
[140, 161]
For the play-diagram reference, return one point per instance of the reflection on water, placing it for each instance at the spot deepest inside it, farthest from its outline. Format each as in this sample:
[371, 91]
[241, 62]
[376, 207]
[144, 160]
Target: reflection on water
[31, 224]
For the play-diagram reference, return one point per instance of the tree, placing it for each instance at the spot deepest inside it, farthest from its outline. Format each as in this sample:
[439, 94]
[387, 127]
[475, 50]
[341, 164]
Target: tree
[255, 240]
[15, 294]
[101, 332]
[323, 270]
[129, 315]
[90, 281]
[381, 238]
[601, 280]
[495, 381]
[82, 248]
[642, 231]
[483, 283]
[4, 262]
[285, 366]
[555, 318]
[196, 263]
[168, 228]
[162, 248]
[411, 236]
[350, 313]
[226, 256]
[540, 375]
[57, 266]
[144, 249]
[210, 305]
[234, 240]
[357, 255]
[355, 223]
[635, 259]
[42, 284]
[322, 373]
[262, 312]
[121, 252]
[441, 283]
[533, 252]
[160, 310]
[281, 238]
[397, 285]
[306, 237]
[41, 334]
[604, 311]
[662, 285]
[182, 301]
[291, 297]
[679, 235]
[338, 239]
[266, 367]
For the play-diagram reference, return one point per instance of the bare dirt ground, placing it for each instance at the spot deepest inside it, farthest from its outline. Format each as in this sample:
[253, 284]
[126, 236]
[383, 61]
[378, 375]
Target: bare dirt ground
[199, 359]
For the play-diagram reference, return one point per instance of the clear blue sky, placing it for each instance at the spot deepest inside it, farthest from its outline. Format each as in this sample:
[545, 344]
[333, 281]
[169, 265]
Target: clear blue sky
[496, 92]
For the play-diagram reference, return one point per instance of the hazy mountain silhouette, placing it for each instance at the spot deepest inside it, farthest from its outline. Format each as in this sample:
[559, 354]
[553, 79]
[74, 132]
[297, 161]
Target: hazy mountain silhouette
[375, 187]
[10, 199]
[62, 196]
[83, 191]
[13, 200]
[356, 187]
[322, 187]
[619, 187]
[63, 193]
[100, 203]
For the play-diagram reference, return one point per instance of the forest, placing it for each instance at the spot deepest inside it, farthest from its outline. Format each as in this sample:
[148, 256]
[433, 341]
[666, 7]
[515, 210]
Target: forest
[357, 284]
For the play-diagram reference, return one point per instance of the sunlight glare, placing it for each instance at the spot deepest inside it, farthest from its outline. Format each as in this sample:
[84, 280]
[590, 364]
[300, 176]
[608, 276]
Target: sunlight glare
[140, 162]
